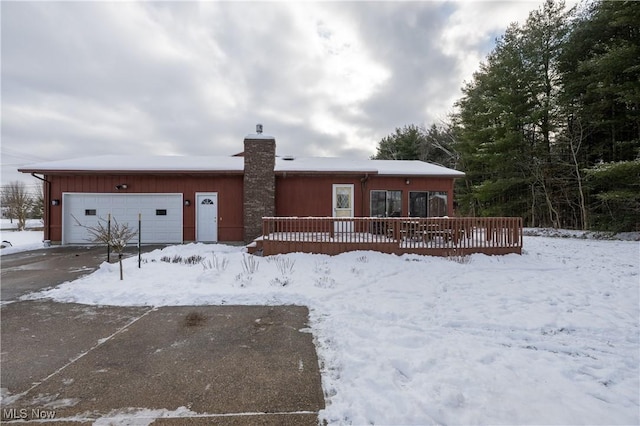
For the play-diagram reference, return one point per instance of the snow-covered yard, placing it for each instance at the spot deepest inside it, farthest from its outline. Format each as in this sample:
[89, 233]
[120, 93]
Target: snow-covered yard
[13, 241]
[549, 337]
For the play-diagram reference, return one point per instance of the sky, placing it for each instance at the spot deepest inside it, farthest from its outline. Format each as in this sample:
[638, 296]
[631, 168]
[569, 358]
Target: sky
[194, 78]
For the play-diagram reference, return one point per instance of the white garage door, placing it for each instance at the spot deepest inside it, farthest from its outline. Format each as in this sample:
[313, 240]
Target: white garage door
[161, 215]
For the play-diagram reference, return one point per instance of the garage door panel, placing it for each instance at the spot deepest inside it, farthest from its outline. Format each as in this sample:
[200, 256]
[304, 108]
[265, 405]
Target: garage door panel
[124, 208]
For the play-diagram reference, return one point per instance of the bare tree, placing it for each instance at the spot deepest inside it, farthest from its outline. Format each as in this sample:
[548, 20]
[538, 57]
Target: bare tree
[576, 138]
[111, 233]
[18, 202]
[37, 209]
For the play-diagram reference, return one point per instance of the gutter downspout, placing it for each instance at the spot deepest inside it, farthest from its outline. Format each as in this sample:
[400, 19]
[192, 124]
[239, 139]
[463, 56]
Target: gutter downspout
[363, 184]
[46, 206]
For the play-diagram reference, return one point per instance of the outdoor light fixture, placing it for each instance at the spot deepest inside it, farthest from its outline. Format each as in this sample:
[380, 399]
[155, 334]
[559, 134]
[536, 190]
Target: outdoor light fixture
[187, 203]
[407, 181]
[55, 202]
[121, 186]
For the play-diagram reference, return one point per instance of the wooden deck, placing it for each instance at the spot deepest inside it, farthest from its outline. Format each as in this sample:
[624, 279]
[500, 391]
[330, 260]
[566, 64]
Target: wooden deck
[436, 236]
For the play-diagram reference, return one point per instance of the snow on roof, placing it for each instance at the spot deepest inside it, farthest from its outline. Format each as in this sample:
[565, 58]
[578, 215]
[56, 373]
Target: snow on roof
[142, 163]
[380, 167]
[322, 164]
[413, 167]
[202, 164]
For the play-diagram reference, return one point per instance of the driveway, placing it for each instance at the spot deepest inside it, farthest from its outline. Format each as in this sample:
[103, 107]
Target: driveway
[30, 271]
[84, 364]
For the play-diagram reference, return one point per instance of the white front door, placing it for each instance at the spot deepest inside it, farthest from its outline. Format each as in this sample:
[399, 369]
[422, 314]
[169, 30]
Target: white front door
[207, 217]
[343, 206]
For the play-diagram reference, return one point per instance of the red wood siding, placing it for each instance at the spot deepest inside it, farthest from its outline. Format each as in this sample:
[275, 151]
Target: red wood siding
[304, 195]
[296, 195]
[415, 184]
[229, 189]
[300, 195]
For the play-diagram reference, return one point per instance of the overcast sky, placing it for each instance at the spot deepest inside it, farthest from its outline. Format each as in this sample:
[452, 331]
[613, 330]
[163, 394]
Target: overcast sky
[185, 78]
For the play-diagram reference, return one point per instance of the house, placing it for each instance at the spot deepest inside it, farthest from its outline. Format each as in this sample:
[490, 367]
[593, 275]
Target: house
[218, 198]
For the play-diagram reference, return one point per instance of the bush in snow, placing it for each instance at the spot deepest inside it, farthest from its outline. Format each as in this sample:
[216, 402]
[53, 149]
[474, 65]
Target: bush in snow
[216, 263]
[111, 233]
[249, 267]
[285, 266]
[323, 280]
[249, 264]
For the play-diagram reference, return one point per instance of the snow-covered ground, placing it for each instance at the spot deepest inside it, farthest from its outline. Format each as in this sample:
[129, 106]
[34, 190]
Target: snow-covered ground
[13, 241]
[549, 337]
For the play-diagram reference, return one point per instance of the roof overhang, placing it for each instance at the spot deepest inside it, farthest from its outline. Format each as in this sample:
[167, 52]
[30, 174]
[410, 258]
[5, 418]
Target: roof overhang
[225, 165]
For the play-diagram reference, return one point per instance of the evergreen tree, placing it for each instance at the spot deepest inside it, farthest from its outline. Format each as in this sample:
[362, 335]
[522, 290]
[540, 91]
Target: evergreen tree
[435, 145]
[510, 118]
[404, 144]
[601, 77]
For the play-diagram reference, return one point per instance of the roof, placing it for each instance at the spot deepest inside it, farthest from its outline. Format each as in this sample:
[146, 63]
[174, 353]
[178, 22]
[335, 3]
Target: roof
[379, 167]
[140, 164]
[225, 164]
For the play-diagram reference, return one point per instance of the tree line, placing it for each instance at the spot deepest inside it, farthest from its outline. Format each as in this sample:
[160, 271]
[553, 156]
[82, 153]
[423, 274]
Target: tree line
[548, 128]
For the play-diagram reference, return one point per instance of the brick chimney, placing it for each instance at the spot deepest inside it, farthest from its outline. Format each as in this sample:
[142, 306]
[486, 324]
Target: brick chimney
[259, 182]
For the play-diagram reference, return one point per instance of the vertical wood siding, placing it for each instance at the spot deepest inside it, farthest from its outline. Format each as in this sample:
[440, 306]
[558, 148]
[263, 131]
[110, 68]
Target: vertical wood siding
[228, 187]
[296, 195]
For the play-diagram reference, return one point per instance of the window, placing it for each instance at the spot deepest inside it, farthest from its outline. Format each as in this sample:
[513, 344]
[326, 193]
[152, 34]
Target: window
[425, 204]
[90, 212]
[386, 203]
[161, 212]
[207, 201]
[343, 198]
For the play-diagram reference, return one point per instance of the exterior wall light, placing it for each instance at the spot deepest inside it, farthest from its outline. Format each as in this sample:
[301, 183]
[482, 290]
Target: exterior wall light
[187, 203]
[122, 186]
[55, 202]
[407, 181]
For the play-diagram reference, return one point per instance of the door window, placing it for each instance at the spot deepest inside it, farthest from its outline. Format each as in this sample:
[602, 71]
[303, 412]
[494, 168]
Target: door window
[343, 200]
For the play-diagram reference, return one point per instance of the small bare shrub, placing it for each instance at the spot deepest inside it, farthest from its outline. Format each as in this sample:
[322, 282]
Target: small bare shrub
[284, 264]
[244, 279]
[216, 263]
[113, 234]
[324, 281]
[281, 281]
[191, 260]
[194, 259]
[463, 259]
[362, 259]
[324, 271]
[249, 264]
[321, 268]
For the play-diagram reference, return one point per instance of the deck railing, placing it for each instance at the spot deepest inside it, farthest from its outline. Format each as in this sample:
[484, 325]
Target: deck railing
[439, 236]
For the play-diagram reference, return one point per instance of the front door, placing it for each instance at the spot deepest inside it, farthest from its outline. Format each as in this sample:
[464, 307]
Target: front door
[207, 217]
[343, 206]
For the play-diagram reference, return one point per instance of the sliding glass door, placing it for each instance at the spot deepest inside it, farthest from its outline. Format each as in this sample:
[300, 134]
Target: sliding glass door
[427, 204]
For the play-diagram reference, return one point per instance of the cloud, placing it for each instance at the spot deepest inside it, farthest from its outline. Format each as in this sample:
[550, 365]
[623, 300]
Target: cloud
[193, 78]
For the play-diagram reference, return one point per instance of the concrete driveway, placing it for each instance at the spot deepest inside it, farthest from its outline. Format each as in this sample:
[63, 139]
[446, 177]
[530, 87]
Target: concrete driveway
[83, 364]
[30, 271]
